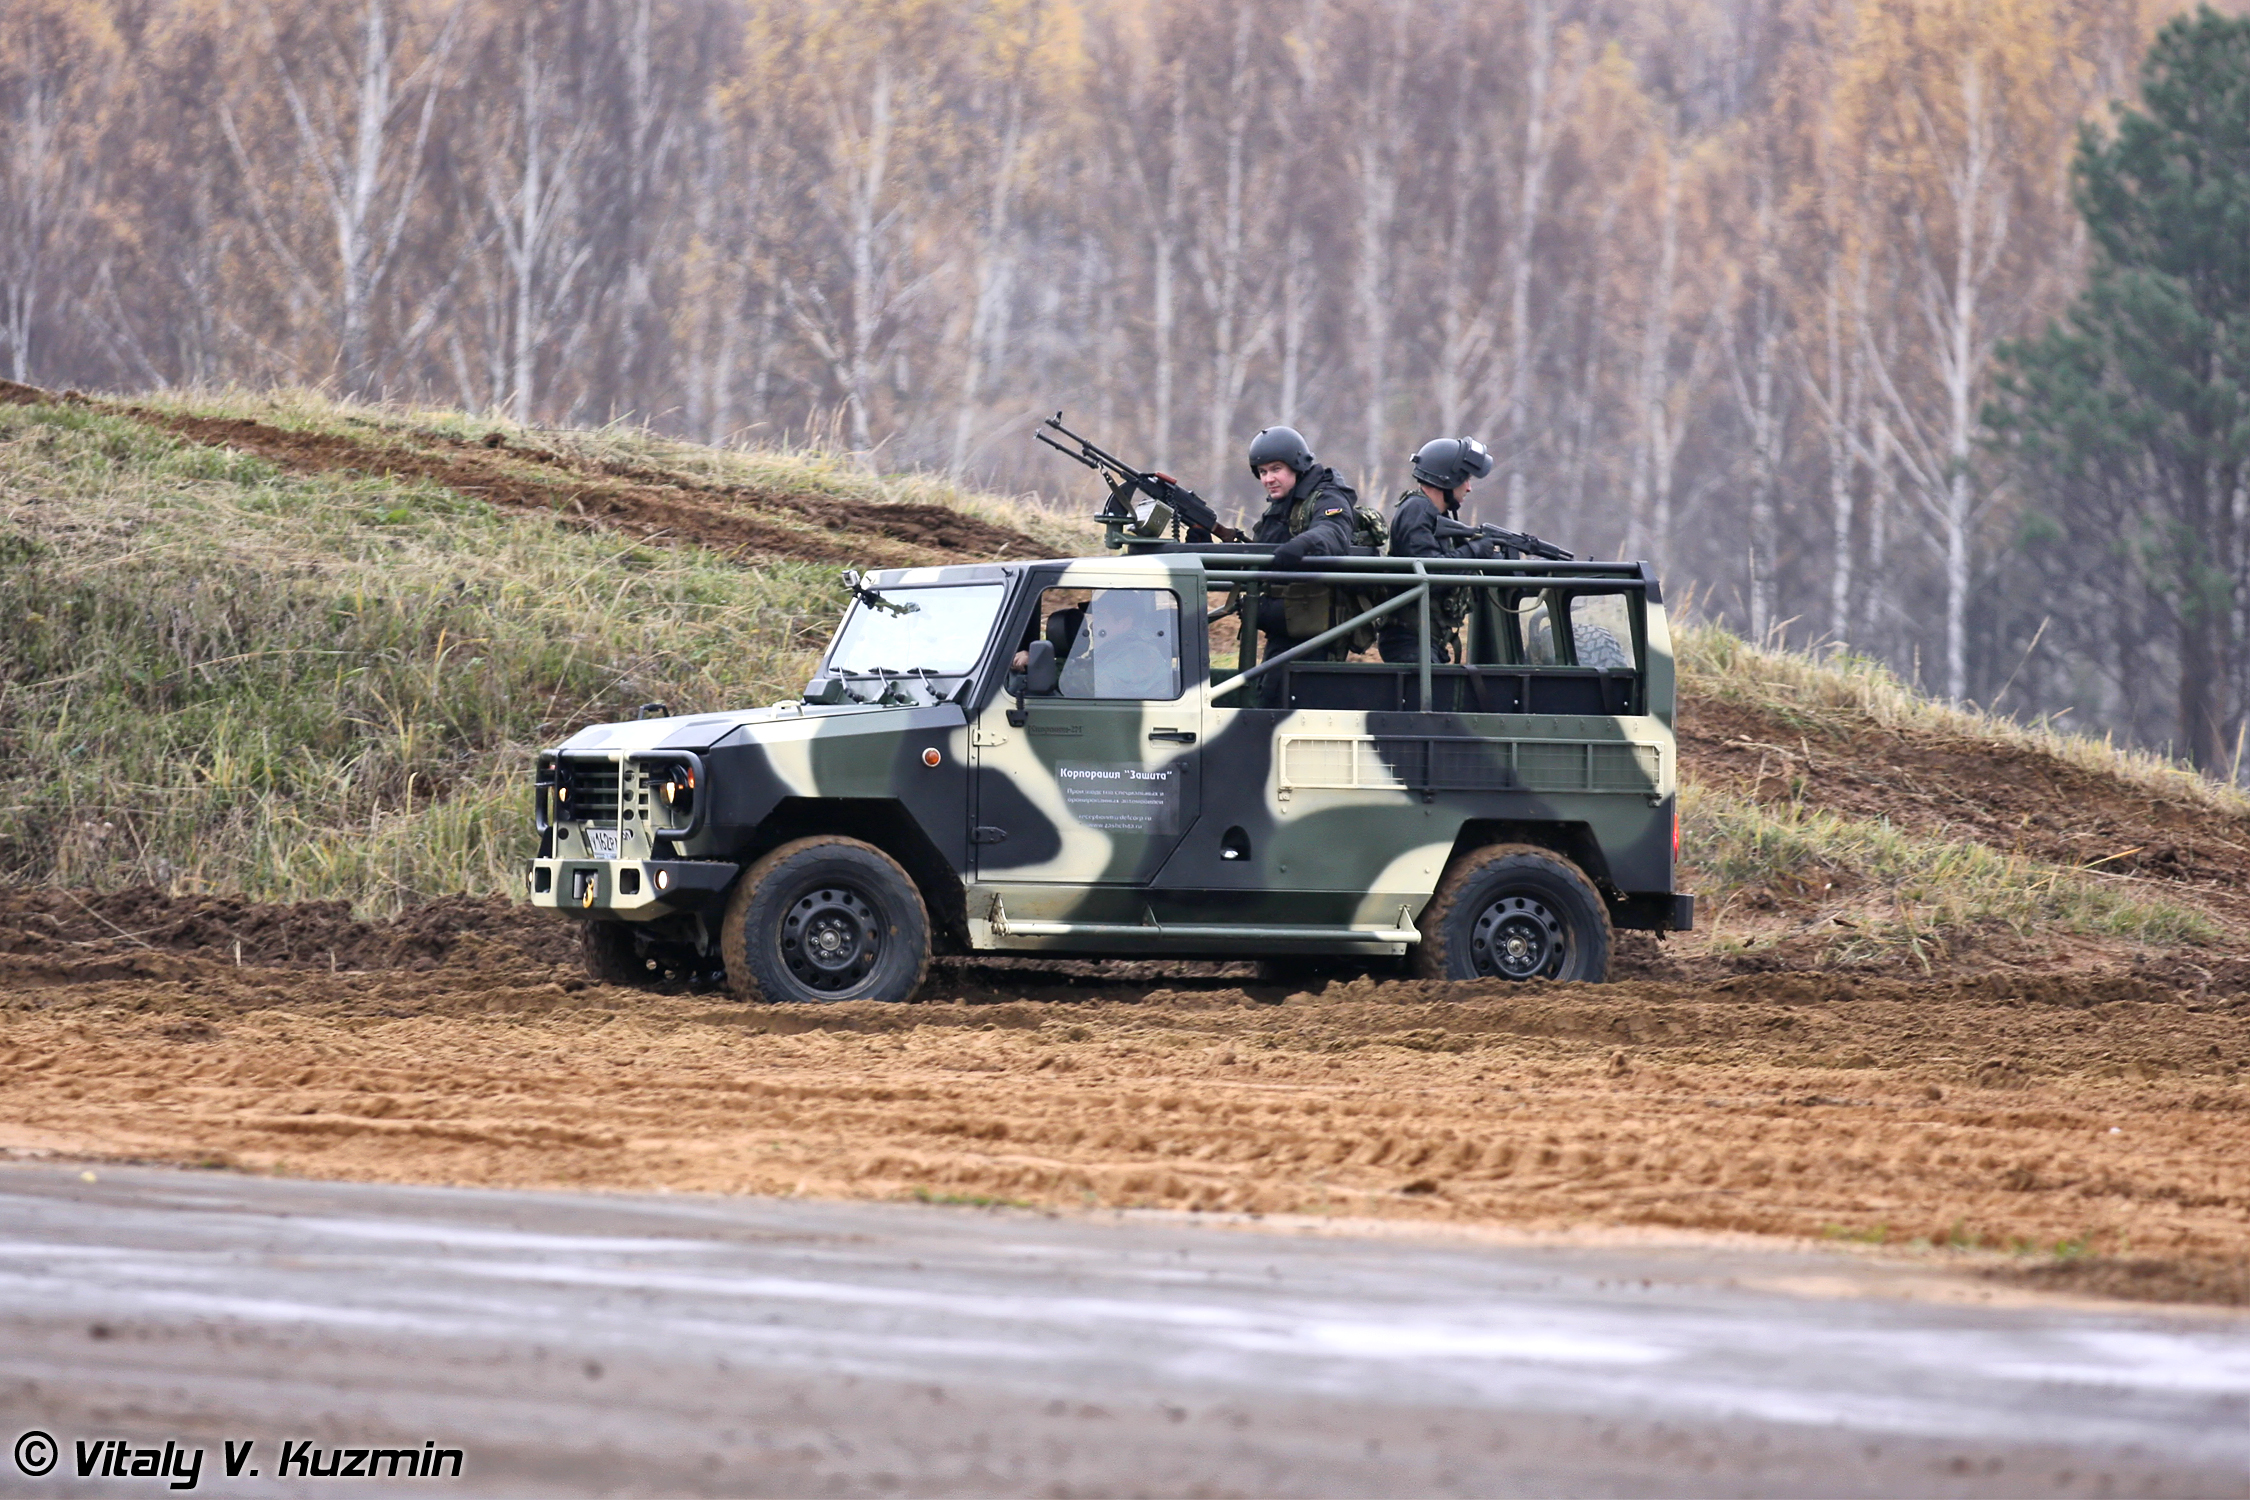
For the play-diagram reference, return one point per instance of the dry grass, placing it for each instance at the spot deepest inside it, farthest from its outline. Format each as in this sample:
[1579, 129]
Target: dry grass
[1837, 690]
[227, 678]
[800, 471]
[1881, 890]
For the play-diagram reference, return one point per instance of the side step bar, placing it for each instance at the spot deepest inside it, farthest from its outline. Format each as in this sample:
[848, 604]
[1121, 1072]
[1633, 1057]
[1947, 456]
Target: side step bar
[1009, 927]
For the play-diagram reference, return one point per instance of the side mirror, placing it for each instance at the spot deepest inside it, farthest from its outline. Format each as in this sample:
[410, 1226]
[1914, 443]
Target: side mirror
[1041, 674]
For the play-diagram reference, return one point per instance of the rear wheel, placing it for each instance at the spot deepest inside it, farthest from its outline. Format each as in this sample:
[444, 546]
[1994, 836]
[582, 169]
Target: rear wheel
[826, 919]
[1514, 911]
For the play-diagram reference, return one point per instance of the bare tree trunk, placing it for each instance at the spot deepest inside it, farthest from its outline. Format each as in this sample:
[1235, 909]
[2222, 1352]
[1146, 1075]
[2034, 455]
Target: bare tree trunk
[527, 241]
[1464, 319]
[1164, 314]
[643, 124]
[1961, 356]
[1846, 382]
[859, 366]
[1593, 280]
[995, 261]
[1649, 502]
[1765, 429]
[1221, 268]
[761, 366]
[1759, 402]
[1530, 188]
[1377, 156]
[1882, 497]
[1296, 311]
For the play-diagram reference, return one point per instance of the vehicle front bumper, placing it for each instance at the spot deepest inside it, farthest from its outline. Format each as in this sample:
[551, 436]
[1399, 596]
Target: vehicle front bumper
[634, 889]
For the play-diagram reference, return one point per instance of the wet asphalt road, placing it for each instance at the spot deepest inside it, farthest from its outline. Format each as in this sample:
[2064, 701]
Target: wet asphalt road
[578, 1343]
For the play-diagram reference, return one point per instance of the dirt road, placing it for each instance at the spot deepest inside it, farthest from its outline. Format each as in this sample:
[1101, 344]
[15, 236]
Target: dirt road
[575, 1344]
[2085, 1131]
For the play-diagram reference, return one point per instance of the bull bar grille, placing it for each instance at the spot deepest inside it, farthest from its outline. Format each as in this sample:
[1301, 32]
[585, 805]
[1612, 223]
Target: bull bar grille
[594, 788]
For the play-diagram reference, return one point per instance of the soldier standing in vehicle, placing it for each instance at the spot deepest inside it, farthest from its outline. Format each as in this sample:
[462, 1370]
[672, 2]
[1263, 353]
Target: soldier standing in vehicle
[1445, 470]
[1308, 514]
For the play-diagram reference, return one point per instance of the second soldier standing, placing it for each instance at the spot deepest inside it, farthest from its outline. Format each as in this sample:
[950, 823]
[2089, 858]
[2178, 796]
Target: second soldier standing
[1445, 470]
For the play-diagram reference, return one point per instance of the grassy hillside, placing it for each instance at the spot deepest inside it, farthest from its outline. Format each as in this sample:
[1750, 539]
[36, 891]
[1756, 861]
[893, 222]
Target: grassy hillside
[287, 649]
[1830, 808]
[224, 675]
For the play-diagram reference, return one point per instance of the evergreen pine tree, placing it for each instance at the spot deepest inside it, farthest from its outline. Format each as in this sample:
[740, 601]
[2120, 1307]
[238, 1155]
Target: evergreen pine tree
[2131, 417]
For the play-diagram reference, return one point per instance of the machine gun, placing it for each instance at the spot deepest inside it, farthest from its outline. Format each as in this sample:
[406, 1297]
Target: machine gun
[1168, 504]
[1496, 541]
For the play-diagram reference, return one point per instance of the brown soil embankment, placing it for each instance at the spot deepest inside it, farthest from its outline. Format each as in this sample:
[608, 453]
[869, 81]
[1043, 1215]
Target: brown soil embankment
[2101, 1116]
[635, 500]
[2020, 798]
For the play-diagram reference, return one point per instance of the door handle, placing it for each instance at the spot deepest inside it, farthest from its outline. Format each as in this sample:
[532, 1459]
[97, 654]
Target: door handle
[1175, 736]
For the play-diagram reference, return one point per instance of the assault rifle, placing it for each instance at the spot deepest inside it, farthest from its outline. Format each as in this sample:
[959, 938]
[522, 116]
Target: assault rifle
[1497, 541]
[1181, 505]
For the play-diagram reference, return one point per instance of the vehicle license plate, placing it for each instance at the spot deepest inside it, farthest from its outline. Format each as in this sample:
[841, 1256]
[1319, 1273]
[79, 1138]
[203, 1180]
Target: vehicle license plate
[602, 842]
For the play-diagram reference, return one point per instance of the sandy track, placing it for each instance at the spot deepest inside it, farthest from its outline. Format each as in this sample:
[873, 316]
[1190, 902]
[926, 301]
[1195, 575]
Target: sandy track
[2102, 1114]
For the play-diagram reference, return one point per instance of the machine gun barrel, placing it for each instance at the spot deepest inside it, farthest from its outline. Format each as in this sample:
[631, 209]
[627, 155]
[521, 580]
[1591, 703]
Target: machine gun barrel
[1185, 504]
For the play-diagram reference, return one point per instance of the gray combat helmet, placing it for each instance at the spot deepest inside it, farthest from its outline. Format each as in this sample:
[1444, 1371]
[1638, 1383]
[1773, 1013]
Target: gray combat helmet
[1280, 445]
[1449, 463]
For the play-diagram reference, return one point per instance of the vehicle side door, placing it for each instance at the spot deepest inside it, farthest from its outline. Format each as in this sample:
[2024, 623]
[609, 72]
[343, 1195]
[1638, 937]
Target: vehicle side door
[1096, 782]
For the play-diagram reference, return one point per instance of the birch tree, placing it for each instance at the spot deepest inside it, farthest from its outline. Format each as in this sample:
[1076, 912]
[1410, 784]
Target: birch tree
[360, 108]
[1959, 99]
[1234, 299]
[1378, 138]
[528, 180]
[58, 66]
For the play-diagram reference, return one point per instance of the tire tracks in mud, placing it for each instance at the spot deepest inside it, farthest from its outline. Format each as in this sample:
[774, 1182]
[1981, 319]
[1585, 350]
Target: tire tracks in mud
[646, 503]
[2103, 1113]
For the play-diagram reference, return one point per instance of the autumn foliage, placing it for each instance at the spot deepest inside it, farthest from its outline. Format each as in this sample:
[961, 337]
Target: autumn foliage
[1721, 281]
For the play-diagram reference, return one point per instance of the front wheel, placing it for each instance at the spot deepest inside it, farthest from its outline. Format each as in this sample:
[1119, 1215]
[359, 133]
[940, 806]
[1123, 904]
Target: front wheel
[1514, 911]
[825, 919]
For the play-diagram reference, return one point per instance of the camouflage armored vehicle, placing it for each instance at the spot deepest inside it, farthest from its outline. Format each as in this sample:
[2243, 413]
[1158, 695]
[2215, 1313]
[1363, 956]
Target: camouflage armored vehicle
[1086, 757]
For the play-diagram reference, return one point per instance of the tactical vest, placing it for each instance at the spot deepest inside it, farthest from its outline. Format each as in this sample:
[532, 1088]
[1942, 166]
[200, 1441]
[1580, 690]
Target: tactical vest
[1310, 608]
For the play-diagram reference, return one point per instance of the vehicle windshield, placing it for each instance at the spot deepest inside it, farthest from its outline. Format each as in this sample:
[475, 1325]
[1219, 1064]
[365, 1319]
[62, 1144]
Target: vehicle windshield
[937, 632]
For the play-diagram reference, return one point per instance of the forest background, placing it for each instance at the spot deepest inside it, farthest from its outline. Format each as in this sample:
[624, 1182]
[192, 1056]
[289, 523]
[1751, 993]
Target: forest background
[1727, 284]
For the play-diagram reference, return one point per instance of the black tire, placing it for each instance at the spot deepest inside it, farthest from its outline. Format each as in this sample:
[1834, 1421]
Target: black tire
[1514, 911]
[826, 919]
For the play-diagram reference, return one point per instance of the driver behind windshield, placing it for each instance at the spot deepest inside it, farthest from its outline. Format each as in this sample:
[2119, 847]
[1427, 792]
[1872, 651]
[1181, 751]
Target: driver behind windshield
[1062, 633]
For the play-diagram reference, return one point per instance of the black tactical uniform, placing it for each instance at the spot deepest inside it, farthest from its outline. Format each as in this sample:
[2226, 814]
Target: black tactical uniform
[1444, 464]
[1414, 534]
[1313, 520]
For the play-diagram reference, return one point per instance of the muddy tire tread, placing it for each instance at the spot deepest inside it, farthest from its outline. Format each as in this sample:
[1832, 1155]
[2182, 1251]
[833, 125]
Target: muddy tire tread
[1429, 958]
[734, 943]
